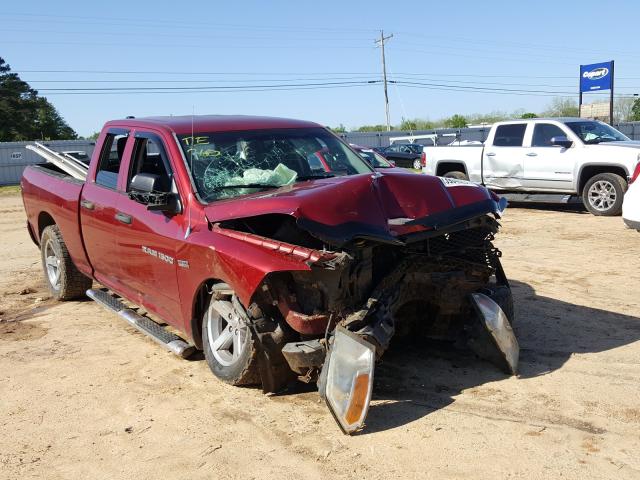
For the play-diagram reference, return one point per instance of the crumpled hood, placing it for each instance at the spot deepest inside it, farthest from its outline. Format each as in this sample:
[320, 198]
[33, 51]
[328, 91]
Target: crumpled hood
[383, 206]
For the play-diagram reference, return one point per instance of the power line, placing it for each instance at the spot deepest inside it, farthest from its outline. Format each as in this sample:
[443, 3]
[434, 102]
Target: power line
[223, 87]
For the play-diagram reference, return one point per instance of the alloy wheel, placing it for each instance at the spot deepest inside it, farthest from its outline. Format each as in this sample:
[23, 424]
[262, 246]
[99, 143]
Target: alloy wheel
[52, 264]
[602, 195]
[227, 337]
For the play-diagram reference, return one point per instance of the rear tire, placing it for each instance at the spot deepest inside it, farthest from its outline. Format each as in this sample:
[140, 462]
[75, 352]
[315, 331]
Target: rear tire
[457, 175]
[602, 195]
[229, 348]
[64, 280]
[417, 164]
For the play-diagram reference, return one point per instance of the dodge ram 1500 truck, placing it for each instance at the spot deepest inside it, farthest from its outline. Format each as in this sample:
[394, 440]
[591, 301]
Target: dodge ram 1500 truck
[552, 158]
[272, 246]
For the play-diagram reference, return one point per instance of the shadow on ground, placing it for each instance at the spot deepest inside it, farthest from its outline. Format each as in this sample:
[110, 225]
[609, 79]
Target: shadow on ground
[577, 207]
[419, 379]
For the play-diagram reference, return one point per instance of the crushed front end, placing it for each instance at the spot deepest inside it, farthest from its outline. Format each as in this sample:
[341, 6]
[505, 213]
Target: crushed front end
[432, 276]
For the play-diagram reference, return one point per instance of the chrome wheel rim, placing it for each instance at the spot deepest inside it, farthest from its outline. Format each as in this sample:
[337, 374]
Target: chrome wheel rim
[602, 195]
[227, 337]
[416, 164]
[52, 264]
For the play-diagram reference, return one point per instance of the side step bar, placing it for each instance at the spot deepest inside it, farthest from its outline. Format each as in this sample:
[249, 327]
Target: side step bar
[147, 326]
[541, 197]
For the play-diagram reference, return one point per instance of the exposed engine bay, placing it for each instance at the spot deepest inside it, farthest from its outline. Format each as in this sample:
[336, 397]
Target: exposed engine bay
[422, 285]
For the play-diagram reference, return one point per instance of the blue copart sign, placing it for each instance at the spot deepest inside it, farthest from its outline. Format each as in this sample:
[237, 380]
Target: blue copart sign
[597, 76]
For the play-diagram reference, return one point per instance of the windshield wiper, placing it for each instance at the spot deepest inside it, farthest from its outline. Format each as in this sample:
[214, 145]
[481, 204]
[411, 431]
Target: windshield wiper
[302, 178]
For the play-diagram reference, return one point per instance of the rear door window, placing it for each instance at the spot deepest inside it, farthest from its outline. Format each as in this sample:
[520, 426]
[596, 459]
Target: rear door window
[544, 132]
[111, 158]
[509, 135]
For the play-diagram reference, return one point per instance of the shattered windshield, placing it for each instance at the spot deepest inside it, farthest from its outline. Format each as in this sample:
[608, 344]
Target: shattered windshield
[229, 164]
[596, 132]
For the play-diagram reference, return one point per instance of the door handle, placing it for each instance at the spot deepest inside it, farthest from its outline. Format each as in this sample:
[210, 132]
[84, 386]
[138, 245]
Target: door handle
[532, 154]
[491, 154]
[123, 218]
[87, 204]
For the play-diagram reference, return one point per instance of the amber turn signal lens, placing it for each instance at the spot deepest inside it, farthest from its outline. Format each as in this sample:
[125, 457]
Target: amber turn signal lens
[358, 399]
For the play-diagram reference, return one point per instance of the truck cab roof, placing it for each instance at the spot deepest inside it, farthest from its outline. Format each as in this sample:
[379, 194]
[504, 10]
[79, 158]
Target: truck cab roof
[184, 124]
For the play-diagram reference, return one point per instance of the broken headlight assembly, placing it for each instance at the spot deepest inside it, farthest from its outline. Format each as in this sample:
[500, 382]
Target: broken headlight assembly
[346, 380]
[494, 339]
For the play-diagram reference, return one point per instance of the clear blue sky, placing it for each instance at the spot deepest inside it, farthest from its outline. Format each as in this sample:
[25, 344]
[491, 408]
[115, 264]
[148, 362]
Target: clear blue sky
[449, 46]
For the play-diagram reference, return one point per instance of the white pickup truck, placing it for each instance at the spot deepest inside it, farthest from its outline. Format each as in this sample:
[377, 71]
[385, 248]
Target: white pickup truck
[546, 159]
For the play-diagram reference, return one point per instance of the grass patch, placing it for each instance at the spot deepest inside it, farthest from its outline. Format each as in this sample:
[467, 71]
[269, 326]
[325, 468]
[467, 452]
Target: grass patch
[10, 190]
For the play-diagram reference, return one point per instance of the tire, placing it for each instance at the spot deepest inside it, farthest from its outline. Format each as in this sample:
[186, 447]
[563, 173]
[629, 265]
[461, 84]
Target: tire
[417, 164]
[233, 360]
[603, 193]
[504, 298]
[64, 280]
[457, 175]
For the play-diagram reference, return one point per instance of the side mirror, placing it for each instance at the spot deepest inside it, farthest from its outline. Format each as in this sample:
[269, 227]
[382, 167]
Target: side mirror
[561, 141]
[151, 190]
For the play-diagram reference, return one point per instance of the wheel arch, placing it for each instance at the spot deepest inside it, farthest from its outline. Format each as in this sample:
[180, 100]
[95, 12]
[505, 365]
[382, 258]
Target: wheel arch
[590, 170]
[445, 166]
[44, 220]
[199, 305]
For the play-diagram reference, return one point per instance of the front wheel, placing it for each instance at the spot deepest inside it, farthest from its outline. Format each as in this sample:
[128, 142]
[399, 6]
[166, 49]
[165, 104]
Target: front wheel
[64, 280]
[229, 346]
[603, 193]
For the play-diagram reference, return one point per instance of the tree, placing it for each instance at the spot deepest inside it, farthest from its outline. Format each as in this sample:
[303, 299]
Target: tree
[26, 116]
[456, 121]
[372, 128]
[562, 107]
[529, 115]
[339, 129]
[635, 111]
[623, 109]
[408, 124]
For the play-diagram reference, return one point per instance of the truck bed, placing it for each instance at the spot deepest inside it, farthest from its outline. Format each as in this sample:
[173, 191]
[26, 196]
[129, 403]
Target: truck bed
[52, 197]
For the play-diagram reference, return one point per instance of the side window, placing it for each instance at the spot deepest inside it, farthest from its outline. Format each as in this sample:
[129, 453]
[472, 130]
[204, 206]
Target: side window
[149, 156]
[110, 159]
[543, 133]
[509, 135]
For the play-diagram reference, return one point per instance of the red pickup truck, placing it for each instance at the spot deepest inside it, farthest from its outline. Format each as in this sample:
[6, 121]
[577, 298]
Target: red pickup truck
[272, 246]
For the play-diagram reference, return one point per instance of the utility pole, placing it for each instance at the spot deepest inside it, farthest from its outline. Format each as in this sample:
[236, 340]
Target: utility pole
[384, 76]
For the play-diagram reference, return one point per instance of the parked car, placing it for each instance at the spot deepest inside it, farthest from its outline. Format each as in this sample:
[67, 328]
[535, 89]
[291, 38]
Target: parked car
[372, 157]
[406, 155]
[560, 157]
[631, 203]
[274, 248]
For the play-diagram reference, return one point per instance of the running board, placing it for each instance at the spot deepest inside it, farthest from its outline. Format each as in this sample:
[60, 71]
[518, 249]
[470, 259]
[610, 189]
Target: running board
[144, 324]
[541, 197]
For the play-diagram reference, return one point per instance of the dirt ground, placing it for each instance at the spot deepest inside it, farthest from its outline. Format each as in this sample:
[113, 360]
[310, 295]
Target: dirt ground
[83, 395]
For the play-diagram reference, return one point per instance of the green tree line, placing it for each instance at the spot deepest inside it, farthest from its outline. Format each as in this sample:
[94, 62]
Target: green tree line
[625, 110]
[24, 115]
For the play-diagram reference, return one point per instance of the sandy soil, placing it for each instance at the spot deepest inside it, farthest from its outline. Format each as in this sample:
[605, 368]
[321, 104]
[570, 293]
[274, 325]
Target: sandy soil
[82, 395]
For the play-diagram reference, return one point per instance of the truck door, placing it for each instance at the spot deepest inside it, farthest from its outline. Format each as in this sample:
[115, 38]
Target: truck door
[503, 160]
[147, 239]
[546, 166]
[98, 208]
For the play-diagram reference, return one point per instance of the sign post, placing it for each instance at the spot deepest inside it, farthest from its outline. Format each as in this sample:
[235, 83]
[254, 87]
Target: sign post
[596, 77]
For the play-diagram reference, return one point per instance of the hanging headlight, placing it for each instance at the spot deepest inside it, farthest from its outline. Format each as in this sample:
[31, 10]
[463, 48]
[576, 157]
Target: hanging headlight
[494, 340]
[346, 380]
